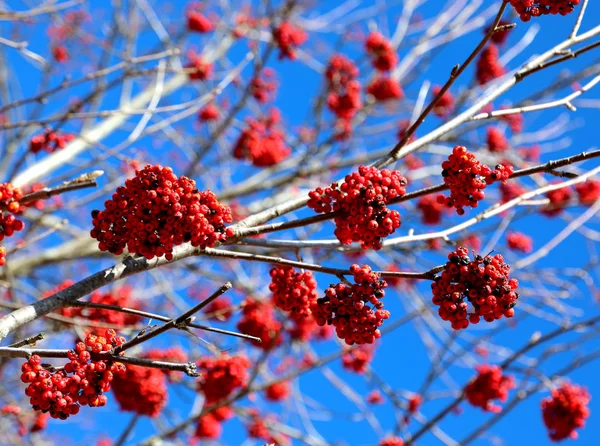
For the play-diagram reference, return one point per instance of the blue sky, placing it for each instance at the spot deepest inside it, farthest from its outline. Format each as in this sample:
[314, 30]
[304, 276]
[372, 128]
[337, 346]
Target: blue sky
[401, 359]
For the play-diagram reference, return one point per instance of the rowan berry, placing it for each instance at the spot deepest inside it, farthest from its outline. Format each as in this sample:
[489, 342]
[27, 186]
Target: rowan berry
[258, 319]
[565, 411]
[197, 22]
[221, 376]
[383, 55]
[484, 282]
[288, 38]
[384, 88]
[518, 241]
[293, 291]
[358, 359]
[489, 384]
[347, 308]
[488, 65]
[360, 202]
[155, 211]
[142, 390]
[536, 8]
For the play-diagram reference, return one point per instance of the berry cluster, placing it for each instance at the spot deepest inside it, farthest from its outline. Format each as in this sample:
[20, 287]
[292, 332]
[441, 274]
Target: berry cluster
[142, 390]
[374, 397]
[220, 309]
[210, 112]
[391, 441]
[445, 105]
[155, 211]
[197, 68]
[588, 192]
[288, 37]
[293, 291]
[278, 392]
[346, 307]
[496, 140]
[514, 121]
[565, 411]
[499, 37]
[383, 55]
[209, 425]
[384, 88]
[171, 354]
[488, 65]
[49, 141]
[360, 203]
[343, 91]
[220, 377]
[258, 428]
[358, 359]
[305, 328]
[536, 8]
[431, 210]
[517, 241]
[467, 177]
[258, 319]
[120, 297]
[60, 53]
[489, 384]
[9, 205]
[558, 198]
[262, 142]
[197, 22]
[82, 381]
[263, 88]
[483, 281]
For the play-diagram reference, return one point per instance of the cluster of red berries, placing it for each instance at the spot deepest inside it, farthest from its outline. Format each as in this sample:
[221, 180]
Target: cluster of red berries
[510, 191]
[391, 441]
[197, 68]
[499, 37]
[82, 381]
[445, 105]
[467, 178]
[258, 428]
[343, 91]
[305, 328]
[210, 112]
[155, 211]
[431, 209]
[517, 241]
[346, 307]
[384, 88]
[536, 8]
[49, 141]
[558, 198]
[496, 140]
[9, 205]
[142, 390]
[198, 22]
[374, 397]
[360, 203]
[278, 392]
[288, 37]
[514, 121]
[171, 354]
[565, 411]
[588, 192]
[489, 384]
[293, 291]
[488, 65]
[220, 309]
[258, 319]
[383, 55]
[263, 88]
[358, 359]
[262, 141]
[120, 297]
[220, 377]
[60, 53]
[483, 281]
[209, 425]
